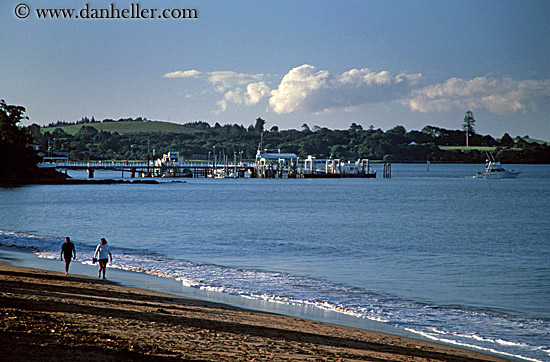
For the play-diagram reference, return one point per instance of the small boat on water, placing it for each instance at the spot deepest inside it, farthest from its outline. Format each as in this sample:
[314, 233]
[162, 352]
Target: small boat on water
[493, 169]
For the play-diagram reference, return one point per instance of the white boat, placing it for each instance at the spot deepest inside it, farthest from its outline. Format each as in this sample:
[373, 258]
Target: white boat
[493, 169]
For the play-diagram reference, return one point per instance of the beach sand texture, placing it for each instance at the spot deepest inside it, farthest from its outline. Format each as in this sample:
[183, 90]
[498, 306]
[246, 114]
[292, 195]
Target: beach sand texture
[46, 316]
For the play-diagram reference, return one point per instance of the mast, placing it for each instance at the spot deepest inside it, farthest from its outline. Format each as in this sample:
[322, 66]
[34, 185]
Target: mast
[261, 144]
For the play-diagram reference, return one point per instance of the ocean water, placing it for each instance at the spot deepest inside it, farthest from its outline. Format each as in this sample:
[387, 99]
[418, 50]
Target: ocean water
[432, 252]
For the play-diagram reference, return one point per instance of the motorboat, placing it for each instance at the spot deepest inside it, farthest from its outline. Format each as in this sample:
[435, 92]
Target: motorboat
[493, 169]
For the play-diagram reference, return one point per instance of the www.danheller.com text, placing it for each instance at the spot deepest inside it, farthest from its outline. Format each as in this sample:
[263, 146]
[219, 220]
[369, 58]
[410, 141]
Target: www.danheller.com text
[132, 11]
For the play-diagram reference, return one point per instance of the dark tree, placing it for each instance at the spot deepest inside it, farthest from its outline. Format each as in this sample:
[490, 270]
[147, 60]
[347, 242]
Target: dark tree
[16, 154]
[259, 127]
[507, 140]
[468, 125]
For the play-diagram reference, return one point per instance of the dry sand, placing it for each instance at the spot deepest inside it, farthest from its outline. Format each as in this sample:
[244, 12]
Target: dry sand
[46, 316]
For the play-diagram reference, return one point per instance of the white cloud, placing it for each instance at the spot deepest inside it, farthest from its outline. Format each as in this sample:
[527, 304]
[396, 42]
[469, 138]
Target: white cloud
[234, 96]
[222, 106]
[295, 87]
[229, 83]
[309, 90]
[183, 74]
[497, 96]
[255, 92]
[228, 79]
[223, 79]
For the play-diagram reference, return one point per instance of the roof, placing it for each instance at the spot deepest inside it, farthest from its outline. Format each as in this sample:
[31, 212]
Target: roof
[276, 156]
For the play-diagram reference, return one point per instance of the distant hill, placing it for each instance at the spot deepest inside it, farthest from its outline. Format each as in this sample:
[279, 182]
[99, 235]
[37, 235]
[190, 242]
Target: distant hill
[531, 140]
[127, 127]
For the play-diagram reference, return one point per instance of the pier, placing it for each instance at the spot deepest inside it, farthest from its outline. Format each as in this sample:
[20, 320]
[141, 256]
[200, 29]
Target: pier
[269, 164]
[135, 168]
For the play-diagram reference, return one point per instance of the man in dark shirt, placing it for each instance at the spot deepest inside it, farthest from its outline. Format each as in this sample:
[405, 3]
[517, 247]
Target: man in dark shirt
[67, 252]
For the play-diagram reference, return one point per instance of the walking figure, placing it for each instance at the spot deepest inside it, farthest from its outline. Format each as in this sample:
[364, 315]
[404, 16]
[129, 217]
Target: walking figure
[102, 254]
[68, 251]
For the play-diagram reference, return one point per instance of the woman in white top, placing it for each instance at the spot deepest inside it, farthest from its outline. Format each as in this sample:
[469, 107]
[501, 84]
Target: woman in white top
[102, 254]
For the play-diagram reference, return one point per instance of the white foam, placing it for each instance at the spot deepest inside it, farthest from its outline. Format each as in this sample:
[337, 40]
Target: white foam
[470, 346]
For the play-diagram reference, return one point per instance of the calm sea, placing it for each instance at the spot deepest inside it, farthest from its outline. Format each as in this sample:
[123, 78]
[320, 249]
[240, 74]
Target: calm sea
[436, 252]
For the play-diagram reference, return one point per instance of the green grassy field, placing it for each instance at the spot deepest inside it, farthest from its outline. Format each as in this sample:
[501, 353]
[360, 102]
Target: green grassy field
[532, 140]
[474, 148]
[127, 127]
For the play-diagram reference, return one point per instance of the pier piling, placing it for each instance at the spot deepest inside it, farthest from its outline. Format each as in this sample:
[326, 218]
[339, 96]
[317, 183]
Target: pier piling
[387, 170]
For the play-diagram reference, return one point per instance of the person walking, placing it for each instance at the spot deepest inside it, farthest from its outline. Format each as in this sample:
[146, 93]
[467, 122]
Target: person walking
[68, 251]
[103, 254]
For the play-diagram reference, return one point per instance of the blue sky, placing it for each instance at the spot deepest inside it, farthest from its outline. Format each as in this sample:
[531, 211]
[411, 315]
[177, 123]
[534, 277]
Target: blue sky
[324, 63]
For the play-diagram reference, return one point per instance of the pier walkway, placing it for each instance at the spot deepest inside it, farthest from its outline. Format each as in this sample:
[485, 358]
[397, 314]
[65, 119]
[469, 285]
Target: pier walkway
[141, 168]
[329, 169]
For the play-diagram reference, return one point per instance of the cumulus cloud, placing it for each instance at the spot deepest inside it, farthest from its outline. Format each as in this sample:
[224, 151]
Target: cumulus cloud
[309, 90]
[497, 96]
[231, 85]
[232, 96]
[255, 92]
[295, 88]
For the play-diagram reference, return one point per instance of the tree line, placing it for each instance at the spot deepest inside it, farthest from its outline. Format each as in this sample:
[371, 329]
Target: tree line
[394, 145]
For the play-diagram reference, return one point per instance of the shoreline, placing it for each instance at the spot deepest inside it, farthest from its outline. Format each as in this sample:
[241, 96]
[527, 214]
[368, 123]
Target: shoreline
[47, 316]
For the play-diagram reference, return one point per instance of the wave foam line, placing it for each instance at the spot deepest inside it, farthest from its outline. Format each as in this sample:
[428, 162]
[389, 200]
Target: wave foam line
[471, 346]
[277, 299]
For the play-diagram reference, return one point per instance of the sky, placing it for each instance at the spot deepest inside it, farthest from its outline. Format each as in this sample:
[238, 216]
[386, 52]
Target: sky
[378, 63]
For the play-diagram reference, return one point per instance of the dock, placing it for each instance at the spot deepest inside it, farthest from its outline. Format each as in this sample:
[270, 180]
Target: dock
[269, 164]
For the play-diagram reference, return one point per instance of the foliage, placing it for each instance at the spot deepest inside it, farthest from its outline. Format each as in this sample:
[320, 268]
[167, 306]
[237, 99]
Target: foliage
[469, 122]
[198, 140]
[468, 126]
[16, 155]
[507, 141]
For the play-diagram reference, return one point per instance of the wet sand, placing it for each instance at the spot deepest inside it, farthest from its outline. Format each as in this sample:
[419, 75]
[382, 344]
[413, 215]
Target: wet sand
[46, 316]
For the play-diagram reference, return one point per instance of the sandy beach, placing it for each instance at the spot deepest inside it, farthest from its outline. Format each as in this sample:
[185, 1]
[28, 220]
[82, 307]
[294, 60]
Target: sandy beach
[48, 316]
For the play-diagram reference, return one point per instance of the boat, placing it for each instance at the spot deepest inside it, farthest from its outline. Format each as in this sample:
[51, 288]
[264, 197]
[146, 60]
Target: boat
[493, 169]
[336, 168]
